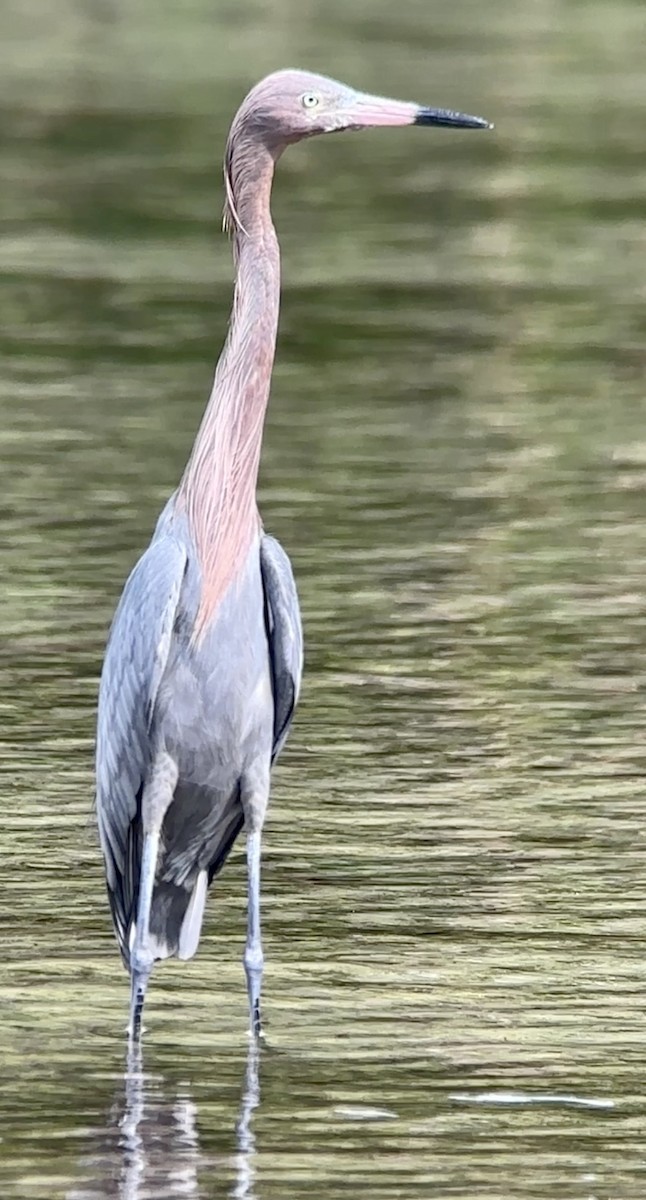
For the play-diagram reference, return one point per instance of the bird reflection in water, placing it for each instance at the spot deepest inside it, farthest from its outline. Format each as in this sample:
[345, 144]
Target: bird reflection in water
[159, 1155]
[245, 1159]
[159, 1142]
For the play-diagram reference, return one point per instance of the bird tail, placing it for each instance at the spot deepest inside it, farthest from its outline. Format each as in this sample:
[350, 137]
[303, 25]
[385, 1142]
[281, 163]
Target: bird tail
[198, 833]
[176, 918]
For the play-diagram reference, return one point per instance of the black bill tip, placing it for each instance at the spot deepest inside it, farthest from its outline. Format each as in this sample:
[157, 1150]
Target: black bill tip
[452, 120]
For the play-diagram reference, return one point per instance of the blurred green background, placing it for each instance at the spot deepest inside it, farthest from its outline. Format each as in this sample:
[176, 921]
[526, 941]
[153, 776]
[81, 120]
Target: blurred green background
[455, 458]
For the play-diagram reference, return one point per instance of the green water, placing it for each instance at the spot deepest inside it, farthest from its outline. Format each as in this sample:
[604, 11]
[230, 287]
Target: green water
[455, 458]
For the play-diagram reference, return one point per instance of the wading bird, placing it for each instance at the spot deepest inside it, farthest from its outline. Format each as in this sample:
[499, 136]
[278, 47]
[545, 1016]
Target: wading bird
[203, 663]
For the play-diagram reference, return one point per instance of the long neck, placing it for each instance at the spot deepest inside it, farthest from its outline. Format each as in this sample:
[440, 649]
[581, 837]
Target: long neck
[218, 489]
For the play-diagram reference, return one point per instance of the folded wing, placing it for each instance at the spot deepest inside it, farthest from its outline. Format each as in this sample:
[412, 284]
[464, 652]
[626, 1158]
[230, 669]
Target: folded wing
[135, 660]
[284, 634]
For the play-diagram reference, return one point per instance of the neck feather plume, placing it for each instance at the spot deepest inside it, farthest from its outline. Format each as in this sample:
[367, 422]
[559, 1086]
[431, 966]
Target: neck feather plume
[218, 489]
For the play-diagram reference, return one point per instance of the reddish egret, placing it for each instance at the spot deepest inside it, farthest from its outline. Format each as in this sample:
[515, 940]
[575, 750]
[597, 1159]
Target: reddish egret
[203, 663]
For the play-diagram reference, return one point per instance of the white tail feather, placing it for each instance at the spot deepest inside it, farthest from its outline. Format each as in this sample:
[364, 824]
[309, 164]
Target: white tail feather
[189, 934]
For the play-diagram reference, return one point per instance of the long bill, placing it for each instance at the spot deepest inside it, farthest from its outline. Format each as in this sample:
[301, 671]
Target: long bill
[365, 111]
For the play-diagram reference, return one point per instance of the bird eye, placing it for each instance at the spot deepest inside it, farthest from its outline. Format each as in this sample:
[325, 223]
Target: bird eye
[309, 100]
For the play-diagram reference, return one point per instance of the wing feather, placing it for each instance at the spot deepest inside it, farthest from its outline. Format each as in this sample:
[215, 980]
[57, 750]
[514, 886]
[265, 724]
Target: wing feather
[135, 660]
[284, 634]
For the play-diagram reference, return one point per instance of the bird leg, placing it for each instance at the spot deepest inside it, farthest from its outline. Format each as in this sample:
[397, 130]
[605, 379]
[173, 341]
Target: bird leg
[141, 959]
[157, 795]
[253, 956]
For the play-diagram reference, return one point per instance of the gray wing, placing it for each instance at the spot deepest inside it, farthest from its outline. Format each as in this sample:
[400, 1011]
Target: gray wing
[284, 633]
[135, 660]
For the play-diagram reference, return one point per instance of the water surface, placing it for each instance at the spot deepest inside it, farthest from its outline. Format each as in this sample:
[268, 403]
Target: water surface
[455, 458]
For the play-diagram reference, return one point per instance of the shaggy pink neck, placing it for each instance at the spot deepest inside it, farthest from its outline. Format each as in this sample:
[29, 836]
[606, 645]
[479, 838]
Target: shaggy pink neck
[218, 489]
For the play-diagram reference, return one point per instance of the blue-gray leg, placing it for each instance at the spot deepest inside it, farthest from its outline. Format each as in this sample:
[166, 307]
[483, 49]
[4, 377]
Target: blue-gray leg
[253, 956]
[141, 956]
[158, 794]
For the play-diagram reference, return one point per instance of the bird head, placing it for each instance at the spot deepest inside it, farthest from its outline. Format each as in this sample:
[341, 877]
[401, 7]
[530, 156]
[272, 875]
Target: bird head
[288, 106]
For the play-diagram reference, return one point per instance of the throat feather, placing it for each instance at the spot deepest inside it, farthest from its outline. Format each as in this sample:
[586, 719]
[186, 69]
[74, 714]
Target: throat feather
[218, 490]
